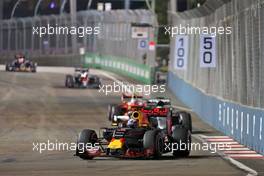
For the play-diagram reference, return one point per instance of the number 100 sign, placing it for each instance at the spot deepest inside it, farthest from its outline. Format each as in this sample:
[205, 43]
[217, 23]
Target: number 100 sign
[181, 52]
[207, 51]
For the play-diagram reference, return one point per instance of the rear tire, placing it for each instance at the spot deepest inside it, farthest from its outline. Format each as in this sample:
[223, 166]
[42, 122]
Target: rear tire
[116, 111]
[153, 140]
[182, 137]
[186, 120]
[110, 114]
[34, 69]
[99, 85]
[69, 82]
[86, 136]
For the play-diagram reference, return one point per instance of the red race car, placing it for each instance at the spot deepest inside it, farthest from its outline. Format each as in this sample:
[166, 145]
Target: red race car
[120, 112]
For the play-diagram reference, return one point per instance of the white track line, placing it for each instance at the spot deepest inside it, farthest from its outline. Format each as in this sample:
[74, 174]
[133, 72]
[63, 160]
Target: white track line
[234, 146]
[251, 172]
[240, 152]
[239, 156]
[220, 140]
[216, 137]
[235, 149]
[227, 143]
[236, 163]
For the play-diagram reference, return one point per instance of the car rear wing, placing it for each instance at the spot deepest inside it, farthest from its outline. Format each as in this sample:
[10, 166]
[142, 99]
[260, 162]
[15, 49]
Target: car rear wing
[127, 95]
[162, 112]
[81, 69]
[155, 101]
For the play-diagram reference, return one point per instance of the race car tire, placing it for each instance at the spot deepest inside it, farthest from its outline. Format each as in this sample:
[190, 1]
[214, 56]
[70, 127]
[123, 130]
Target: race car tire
[99, 85]
[97, 82]
[34, 68]
[22, 67]
[110, 113]
[186, 120]
[69, 82]
[153, 140]
[181, 142]
[116, 110]
[86, 136]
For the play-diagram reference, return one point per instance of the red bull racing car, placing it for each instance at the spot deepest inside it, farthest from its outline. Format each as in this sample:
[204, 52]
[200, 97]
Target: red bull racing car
[20, 64]
[148, 133]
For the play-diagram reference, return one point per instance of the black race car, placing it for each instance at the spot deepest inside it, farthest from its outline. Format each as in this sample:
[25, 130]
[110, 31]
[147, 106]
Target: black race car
[20, 64]
[148, 133]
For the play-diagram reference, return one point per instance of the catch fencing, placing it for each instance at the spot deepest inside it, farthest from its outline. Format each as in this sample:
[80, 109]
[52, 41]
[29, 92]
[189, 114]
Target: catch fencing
[114, 38]
[230, 96]
[239, 72]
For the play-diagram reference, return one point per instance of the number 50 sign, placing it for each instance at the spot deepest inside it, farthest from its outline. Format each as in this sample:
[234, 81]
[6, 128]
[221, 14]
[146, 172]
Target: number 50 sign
[181, 52]
[207, 51]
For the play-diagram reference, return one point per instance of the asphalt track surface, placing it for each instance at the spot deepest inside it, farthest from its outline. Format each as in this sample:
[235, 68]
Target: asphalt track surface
[37, 107]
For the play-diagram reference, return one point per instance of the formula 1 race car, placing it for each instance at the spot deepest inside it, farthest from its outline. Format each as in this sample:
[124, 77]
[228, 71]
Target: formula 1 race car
[82, 79]
[20, 64]
[148, 134]
[130, 102]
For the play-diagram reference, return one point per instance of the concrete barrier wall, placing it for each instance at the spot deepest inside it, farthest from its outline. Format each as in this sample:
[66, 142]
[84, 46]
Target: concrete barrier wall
[243, 123]
[120, 65]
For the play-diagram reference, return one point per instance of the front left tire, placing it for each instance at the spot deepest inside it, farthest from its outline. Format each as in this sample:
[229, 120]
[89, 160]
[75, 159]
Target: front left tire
[153, 140]
[86, 137]
[69, 82]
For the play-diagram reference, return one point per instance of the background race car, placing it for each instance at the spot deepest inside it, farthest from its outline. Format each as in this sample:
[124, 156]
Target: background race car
[20, 64]
[129, 102]
[82, 79]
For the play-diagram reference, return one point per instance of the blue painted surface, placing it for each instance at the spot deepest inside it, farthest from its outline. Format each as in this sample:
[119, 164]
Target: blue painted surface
[222, 114]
